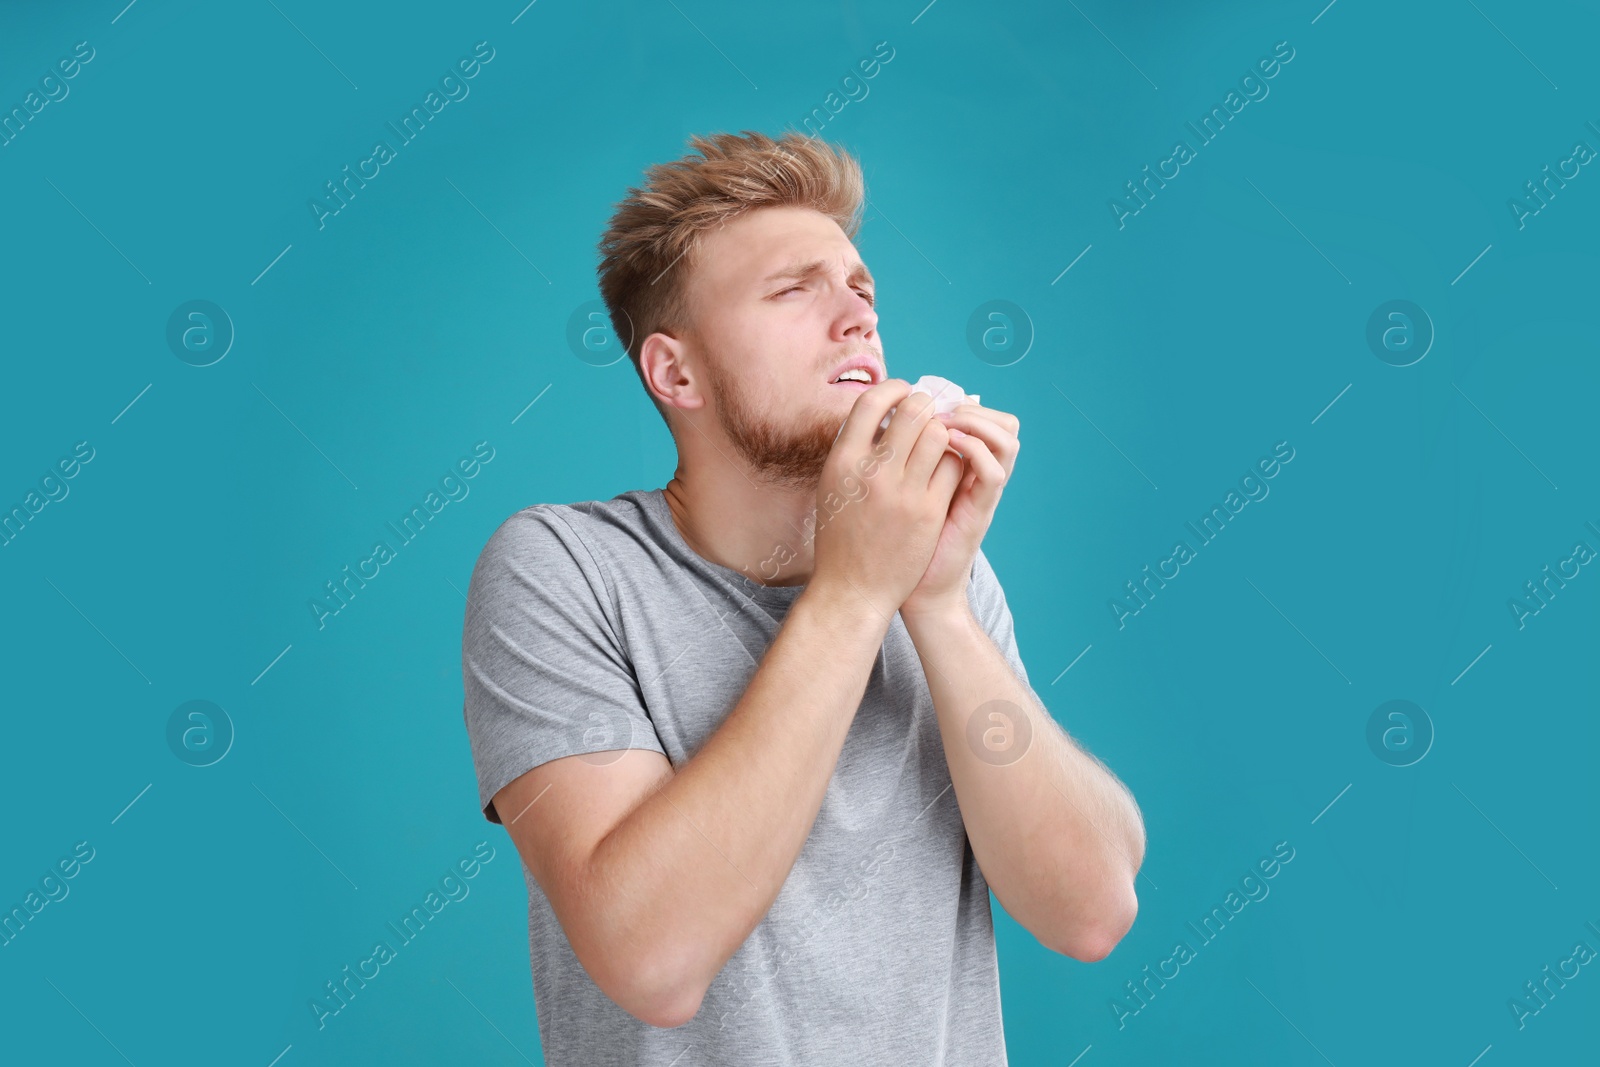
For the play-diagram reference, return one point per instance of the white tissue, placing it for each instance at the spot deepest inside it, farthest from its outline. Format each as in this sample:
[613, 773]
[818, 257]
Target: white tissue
[947, 395]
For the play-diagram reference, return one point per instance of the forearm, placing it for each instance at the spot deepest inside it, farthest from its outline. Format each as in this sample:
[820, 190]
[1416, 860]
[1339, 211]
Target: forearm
[1058, 838]
[696, 866]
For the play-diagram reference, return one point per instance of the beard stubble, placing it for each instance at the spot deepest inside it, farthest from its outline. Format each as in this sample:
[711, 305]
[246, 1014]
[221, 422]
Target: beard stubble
[790, 457]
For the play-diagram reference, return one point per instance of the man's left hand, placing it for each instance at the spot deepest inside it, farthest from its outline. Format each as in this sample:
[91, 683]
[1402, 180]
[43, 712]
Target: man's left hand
[987, 440]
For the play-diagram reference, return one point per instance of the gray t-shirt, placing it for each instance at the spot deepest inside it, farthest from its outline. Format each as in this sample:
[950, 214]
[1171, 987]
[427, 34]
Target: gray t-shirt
[592, 627]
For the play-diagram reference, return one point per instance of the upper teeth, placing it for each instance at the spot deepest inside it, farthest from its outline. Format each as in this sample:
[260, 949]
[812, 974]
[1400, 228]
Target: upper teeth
[857, 375]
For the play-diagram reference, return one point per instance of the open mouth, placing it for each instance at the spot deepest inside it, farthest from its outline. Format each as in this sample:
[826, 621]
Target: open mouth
[861, 377]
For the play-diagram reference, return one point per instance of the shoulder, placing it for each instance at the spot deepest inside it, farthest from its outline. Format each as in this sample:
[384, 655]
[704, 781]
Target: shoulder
[530, 527]
[551, 550]
[534, 536]
[591, 525]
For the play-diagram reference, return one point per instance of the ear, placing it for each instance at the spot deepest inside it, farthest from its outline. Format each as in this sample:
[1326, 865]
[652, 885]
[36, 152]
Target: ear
[665, 366]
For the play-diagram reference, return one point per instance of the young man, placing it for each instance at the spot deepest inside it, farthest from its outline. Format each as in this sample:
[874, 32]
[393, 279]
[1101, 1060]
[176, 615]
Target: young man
[762, 738]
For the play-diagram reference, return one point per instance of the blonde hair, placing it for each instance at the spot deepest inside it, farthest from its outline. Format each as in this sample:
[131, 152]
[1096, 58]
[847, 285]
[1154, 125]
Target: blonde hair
[648, 248]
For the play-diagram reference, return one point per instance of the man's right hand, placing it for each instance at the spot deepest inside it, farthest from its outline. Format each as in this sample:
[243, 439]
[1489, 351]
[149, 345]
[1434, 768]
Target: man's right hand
[896, 492]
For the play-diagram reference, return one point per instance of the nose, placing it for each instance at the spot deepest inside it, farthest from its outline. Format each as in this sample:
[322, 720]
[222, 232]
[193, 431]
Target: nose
[856, 319]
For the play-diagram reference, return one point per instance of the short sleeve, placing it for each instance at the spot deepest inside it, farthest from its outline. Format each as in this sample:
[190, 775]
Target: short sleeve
[988, 601]
[544, 671]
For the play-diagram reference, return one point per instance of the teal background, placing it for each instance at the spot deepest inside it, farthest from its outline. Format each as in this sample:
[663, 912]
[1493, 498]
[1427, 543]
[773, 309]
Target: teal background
[426, 316]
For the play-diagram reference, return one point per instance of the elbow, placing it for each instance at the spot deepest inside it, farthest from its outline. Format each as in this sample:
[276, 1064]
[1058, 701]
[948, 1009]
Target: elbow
[1093, 940]
[1090, 946]
[669, 1000]
[655, 991]
[664, 1008]
[655, 971]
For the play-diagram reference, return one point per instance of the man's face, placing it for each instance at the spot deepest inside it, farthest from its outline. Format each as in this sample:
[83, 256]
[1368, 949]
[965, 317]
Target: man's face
[779, 301]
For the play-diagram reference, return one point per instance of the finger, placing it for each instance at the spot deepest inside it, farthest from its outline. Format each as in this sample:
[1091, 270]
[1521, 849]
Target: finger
[1002, 444]
[966, 483]
[911, 414]
[990, 475]
[1005, 419]
[861, 425]
[947, 476]
[924, 454]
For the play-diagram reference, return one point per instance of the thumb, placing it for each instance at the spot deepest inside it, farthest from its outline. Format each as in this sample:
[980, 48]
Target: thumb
[946, 477]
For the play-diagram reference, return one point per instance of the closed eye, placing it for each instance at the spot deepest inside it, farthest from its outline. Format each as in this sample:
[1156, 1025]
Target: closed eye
[865, 294]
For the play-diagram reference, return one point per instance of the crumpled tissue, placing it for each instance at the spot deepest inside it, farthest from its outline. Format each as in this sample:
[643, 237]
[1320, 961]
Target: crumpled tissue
[947, 396]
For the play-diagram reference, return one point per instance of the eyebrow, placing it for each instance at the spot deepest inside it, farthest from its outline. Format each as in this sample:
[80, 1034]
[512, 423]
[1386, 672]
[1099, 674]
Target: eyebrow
[800, 271]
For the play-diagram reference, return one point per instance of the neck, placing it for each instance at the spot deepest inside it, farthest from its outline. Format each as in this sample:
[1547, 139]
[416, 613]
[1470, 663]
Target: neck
[730, 516]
